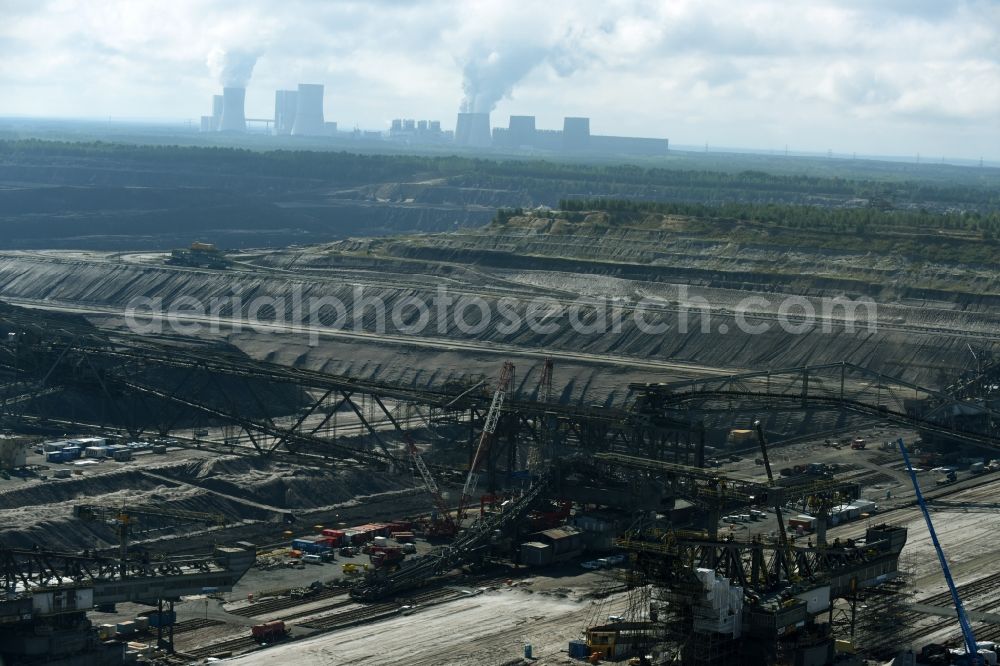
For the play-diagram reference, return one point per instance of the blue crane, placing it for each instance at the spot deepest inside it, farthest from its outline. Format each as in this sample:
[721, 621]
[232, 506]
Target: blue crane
[971, 649]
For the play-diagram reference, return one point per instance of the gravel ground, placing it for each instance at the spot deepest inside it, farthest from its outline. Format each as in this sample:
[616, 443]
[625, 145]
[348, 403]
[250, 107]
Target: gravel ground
[491, 628]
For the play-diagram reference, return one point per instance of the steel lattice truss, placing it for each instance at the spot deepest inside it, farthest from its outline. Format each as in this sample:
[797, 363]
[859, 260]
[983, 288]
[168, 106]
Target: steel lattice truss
[125, 377]
[844, 386]
[668, 557]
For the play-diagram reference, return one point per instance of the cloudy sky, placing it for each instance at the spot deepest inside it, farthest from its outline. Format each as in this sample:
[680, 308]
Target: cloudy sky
[877, 77]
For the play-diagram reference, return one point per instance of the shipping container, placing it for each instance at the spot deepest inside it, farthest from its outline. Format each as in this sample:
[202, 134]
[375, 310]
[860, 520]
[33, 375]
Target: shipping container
[270, 631]
[122, 455]
[141, 623]
[803, 521]
[578, 649]
[95, 452]
[864, 506]
[404, 537]
[536, 554]
[125, 628]
[72, 452]
[360, 536]
[313, 544]
[55, 457]
[333, 538]
[49, 447]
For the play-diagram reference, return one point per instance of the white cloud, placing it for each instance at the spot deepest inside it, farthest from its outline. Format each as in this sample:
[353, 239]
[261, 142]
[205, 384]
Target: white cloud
[896, 76]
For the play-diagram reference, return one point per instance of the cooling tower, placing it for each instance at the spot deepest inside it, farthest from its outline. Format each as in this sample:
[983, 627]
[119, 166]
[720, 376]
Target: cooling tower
[576, 133]
[284, 111]
[473, 129]
[216, 112]
[233, 117]
[521, 131]
[309, 111]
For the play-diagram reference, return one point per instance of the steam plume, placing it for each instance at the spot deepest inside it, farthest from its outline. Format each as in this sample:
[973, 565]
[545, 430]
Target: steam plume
[232, 67]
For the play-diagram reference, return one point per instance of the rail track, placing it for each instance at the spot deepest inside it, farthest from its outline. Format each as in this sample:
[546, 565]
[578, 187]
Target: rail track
[222, 648]
[359, 613]
[353, 615]
[890, 644]
[192, 624]
[281, 603]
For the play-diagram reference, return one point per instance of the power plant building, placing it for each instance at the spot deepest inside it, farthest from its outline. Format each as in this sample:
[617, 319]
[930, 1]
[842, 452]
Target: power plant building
[309, 111]
[300, 113]
[285, 103]
[575, 137]
[416, 131]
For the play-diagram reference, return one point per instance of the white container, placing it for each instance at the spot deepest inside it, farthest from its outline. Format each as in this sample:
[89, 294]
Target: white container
[95, 452]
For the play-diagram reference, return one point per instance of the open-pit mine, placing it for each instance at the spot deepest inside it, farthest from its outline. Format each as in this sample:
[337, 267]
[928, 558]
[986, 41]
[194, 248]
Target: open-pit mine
[464, 416]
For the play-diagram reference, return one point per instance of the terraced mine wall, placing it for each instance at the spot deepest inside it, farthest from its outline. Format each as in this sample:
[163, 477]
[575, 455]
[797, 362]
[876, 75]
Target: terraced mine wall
[252, 494]
[915, 343]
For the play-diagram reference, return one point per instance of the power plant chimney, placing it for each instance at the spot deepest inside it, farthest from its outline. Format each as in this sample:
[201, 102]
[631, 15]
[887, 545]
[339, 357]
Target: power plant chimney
[309, 111]
[233, 117]
[473, 129]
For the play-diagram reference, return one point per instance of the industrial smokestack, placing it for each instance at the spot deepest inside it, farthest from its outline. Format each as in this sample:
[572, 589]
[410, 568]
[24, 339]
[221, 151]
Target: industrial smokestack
[309, 111]
[473, 129]
[233, 117]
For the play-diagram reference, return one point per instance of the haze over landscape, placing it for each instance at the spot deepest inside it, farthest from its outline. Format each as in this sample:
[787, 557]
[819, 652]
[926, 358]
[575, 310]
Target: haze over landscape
[877, 78]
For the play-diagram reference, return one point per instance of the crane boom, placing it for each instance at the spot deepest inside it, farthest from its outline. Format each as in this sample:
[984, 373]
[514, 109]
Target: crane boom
[486, 438]
[446, 526]
[967, 634]
[782, 534]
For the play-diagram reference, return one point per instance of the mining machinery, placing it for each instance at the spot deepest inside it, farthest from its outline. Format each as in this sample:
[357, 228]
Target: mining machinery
[972, 655]
[129, 521]
[504, 386]
[43, 611]
[471, 544]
